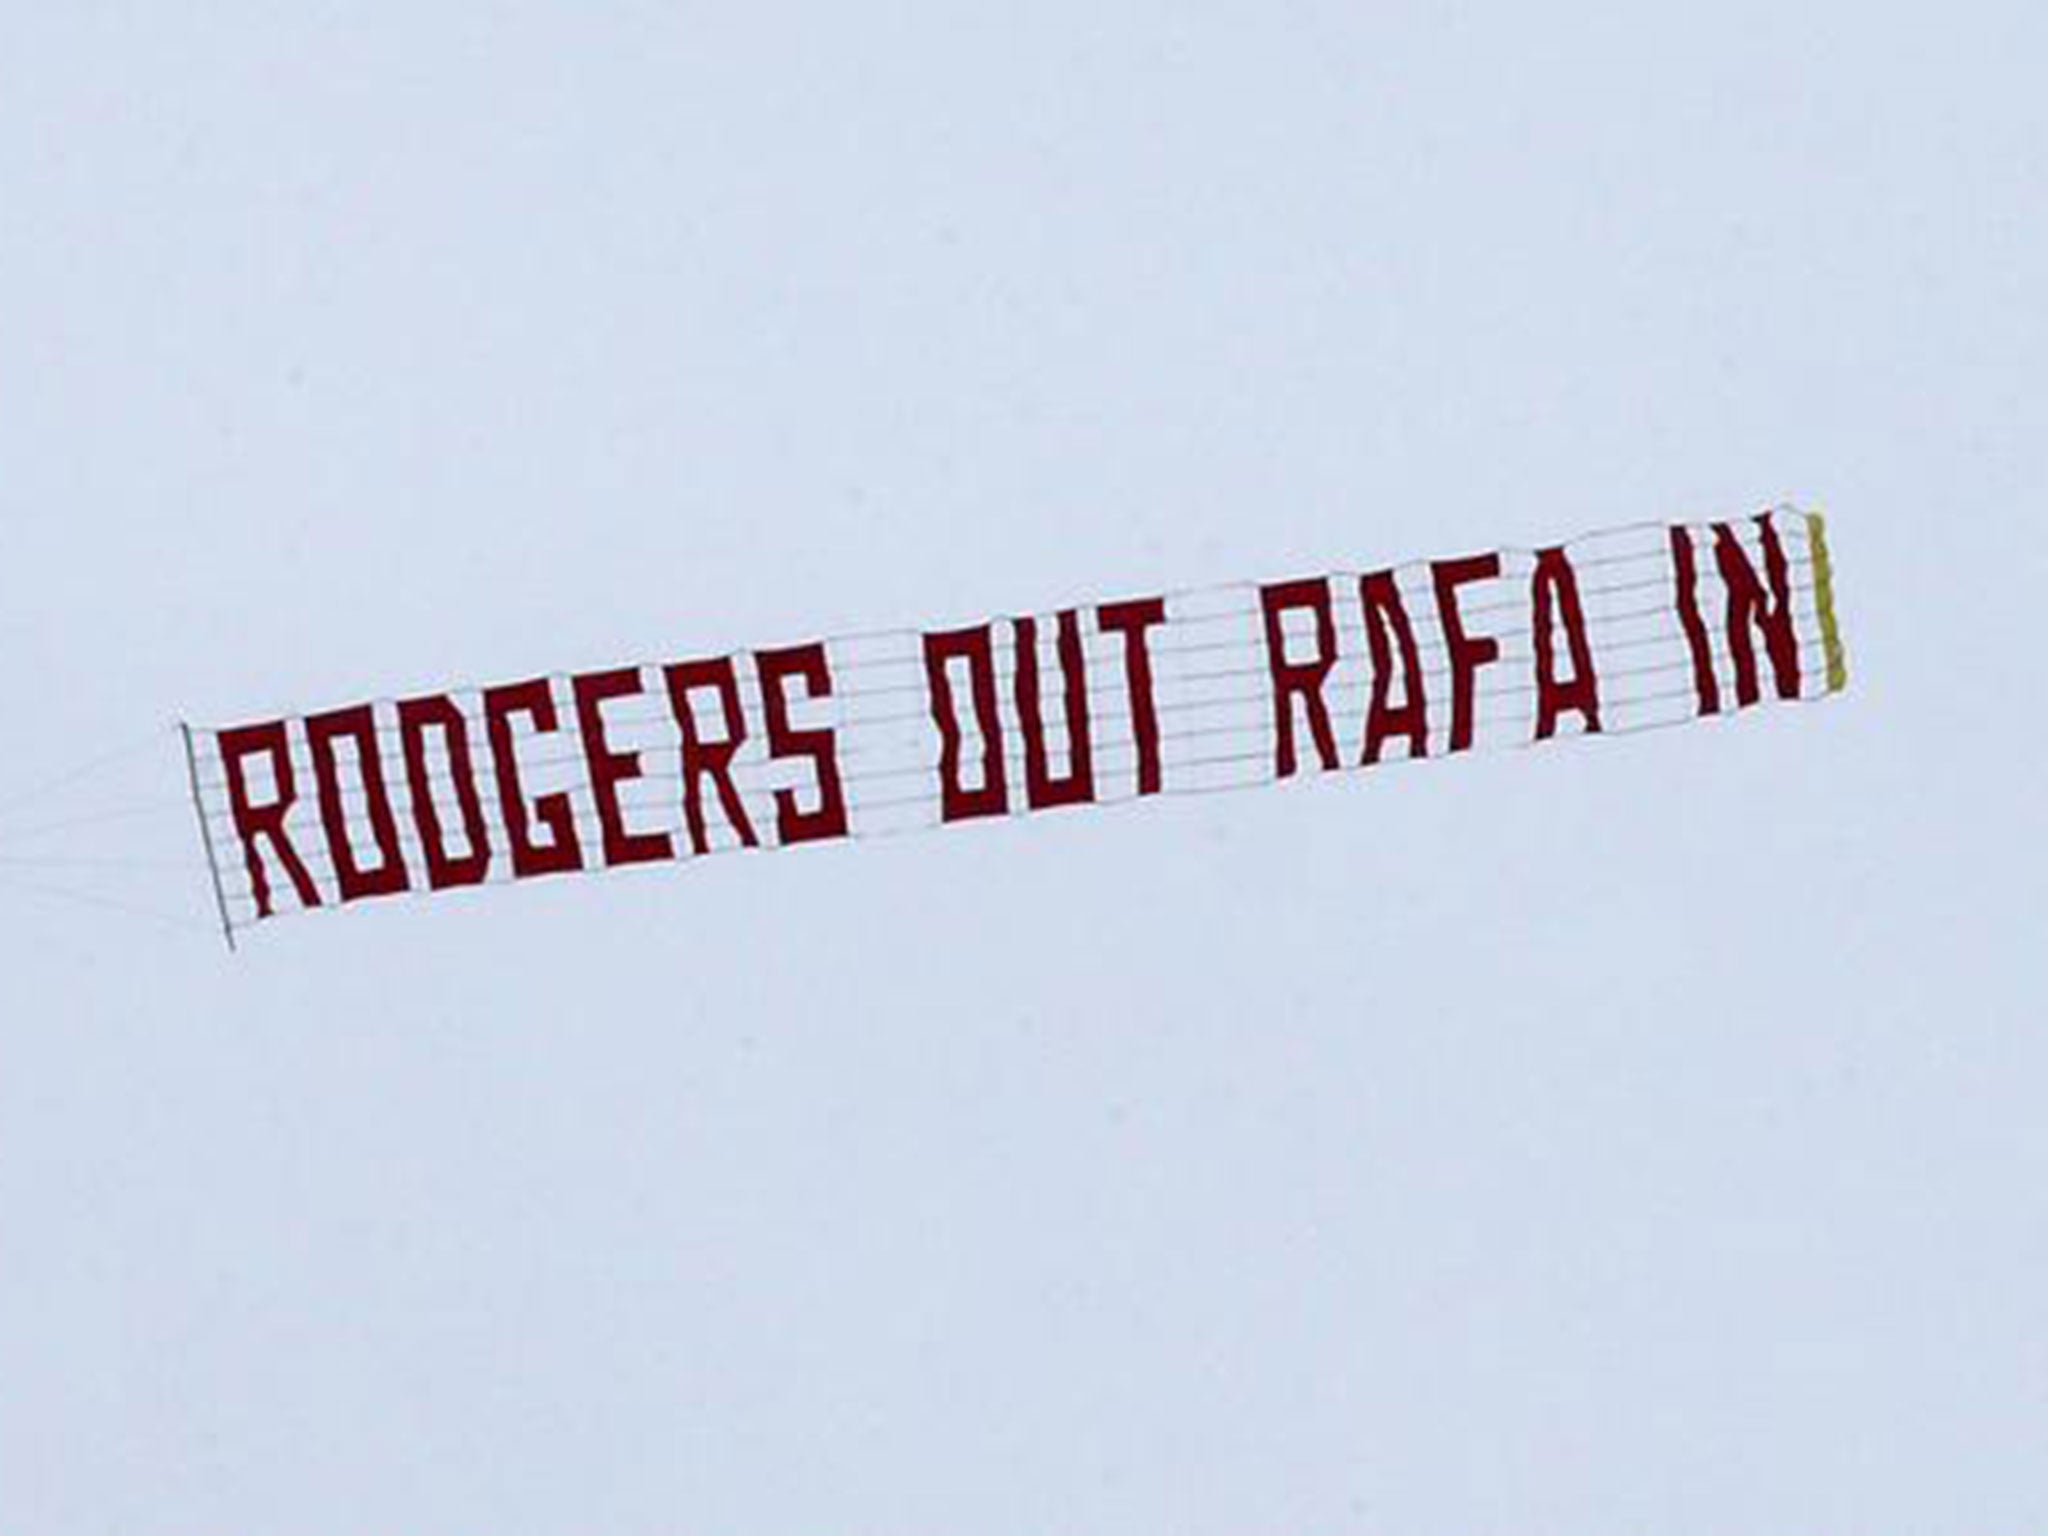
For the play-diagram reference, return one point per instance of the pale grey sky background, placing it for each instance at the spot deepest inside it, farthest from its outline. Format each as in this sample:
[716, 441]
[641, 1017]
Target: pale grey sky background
[1637, 1136]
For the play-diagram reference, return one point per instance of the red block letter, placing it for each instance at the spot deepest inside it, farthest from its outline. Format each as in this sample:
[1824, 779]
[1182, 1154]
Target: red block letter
[1468, 653]
[1305, 678]
[993, 798]
[1685, 575]
[1556, 588]
[710, 759]
[562, 852]
[1386, 625]
[794, 824]
[254, 821]
[609, 769]
[416, 717]
[1132, 620]
[359, 726]
[1748, 610]
[1041, 789]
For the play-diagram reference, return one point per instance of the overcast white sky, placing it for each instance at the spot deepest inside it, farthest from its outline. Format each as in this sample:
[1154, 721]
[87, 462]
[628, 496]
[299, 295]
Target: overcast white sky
[1641, 1135]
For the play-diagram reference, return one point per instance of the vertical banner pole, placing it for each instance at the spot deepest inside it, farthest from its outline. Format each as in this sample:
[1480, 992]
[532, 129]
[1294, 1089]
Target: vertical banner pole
[1824, 603]
[220, 896]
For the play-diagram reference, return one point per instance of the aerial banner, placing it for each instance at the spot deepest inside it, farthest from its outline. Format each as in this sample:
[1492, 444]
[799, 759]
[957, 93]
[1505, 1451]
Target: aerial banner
[895, 731]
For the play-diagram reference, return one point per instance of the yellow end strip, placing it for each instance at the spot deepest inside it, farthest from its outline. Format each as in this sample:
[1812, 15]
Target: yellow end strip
[1824, 603]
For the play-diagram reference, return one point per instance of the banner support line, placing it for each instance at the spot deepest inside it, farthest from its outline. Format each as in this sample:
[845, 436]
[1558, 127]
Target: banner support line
[220, 896]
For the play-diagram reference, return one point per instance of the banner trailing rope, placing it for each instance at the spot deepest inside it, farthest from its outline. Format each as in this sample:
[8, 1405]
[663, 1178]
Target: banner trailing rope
[898, 731]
